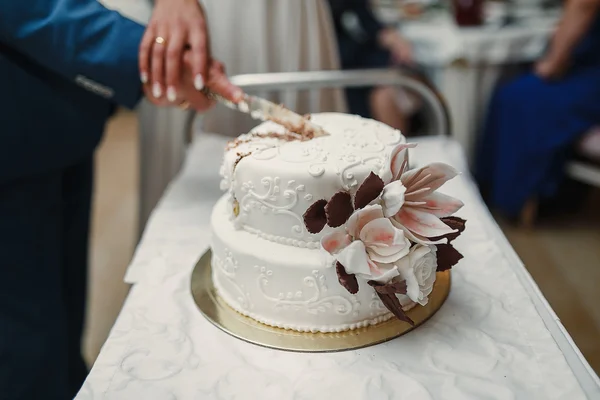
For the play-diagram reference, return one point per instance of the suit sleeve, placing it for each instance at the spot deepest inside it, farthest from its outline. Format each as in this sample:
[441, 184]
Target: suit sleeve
[79, 39]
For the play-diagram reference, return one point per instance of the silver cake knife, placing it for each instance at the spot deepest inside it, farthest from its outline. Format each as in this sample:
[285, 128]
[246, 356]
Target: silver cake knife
[261, 109]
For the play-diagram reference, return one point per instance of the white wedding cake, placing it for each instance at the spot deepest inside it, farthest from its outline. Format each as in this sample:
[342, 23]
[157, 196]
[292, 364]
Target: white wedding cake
[330, 233]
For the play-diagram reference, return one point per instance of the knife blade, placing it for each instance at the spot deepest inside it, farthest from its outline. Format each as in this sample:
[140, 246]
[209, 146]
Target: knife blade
[263, 110]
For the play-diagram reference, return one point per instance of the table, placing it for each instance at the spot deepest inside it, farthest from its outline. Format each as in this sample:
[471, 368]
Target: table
[466, 63]
[495, 337]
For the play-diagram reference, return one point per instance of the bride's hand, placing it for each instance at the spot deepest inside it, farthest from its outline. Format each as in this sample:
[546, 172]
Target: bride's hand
[176, 25]
[217, 81]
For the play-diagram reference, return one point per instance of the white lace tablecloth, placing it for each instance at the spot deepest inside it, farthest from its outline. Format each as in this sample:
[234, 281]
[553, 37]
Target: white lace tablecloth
[494, 338]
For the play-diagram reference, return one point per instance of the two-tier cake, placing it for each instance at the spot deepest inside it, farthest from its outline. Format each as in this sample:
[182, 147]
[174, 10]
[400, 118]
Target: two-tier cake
[330, 233]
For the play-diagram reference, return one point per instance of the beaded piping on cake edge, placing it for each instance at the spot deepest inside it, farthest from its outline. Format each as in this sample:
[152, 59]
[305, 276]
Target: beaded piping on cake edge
[300, 328]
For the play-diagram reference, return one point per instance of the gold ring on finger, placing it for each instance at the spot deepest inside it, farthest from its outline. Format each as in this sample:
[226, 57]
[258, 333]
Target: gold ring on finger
[184, 105]
[160, 40]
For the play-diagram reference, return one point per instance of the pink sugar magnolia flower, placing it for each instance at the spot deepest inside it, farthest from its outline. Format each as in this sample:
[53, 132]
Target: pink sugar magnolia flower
[368, 245]
[410, 199]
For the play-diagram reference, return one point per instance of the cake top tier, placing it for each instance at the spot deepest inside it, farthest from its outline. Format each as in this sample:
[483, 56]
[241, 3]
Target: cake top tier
[273, 176]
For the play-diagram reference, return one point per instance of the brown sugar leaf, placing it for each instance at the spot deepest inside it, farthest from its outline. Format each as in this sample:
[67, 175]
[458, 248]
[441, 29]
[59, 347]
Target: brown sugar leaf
[391, 287]
[315, 218]
[339, 209]
[391, 302]
[368, 191]
[447, 256]
[456, 223]
[347, 280]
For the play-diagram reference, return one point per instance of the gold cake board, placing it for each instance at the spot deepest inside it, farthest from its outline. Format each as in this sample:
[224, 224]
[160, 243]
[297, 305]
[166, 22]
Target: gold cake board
[230, 321]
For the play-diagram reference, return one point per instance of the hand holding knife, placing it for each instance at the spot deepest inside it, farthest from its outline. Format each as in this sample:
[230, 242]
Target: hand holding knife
[261, 109]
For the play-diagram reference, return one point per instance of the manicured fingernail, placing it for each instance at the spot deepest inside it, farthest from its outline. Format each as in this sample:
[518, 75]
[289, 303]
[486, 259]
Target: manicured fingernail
[156, 90]
[238, 95]
[144, 77]
[171, 94]
[199, 82]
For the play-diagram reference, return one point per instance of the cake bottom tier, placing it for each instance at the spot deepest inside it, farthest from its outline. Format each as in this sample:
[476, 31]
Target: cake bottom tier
[284, 286]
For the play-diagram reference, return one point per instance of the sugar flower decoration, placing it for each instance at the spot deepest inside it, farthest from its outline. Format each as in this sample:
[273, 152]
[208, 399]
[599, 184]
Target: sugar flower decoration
[411, 200]
[418, 271]
[368, 246]
[395, 232]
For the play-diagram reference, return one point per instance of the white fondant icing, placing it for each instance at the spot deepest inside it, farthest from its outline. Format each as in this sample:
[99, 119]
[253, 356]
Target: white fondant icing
[269, 267]
[280, 179]
[285, 286]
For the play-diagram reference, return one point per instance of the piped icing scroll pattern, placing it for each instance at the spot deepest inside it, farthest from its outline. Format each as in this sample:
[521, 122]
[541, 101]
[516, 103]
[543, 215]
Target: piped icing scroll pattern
[314, 155]
[271, 199]
[395, 232]
[348, 180]
[376, 306]
[352, 151]
[228, 267]
[319, 155]
[301, 154]
[345, 156]
[313, 299]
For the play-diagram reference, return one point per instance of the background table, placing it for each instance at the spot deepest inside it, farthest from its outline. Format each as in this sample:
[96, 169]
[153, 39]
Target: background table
[494, 338]
[466, 63]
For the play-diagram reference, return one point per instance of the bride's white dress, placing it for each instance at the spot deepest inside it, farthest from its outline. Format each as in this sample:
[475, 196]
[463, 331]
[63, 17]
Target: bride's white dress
[259, 36]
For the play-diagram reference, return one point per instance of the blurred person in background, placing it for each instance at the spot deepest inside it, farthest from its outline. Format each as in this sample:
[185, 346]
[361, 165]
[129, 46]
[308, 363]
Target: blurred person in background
[534, 120]
[269, 36]
[365, 43]
[64, 67]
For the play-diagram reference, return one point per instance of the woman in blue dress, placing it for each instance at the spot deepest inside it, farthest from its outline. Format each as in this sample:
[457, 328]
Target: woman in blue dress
[534, 121]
